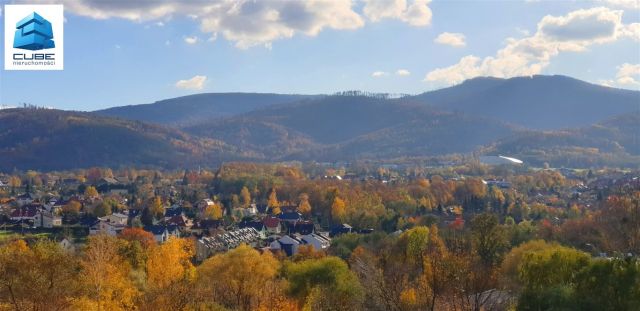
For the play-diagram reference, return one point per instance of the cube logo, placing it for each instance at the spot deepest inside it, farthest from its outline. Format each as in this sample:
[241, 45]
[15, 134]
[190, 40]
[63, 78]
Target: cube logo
[33, 37]
[34, 33]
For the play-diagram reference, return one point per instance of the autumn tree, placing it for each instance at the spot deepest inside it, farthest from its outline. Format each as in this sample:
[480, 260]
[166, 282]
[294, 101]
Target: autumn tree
[238, 279]
[71, 209]
[104, 276]
[145, 238]
[91, 192]
[170, 275]
[213, 211]
[338, 210]
[304, 207]
[41, 277]
[156, 208]
[273, 203]
[245, 197]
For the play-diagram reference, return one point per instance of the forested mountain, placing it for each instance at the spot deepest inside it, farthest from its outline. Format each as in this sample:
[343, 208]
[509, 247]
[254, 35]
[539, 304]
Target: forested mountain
[195, 108]
[615, 141]
[348, 127]
[52, 139]
[537, 102]
[483, 115]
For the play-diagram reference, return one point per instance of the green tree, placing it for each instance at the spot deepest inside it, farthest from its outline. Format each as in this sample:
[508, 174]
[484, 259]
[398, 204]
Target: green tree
[102, 209]
[489, 239]
[548, 277]
[324, 284]
[609, 285]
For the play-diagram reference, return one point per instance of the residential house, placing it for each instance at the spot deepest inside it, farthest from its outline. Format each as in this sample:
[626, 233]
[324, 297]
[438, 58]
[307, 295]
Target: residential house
[255, 224]
[25, 212]
[300, 227]
[207, 246]
[160, 232]
[290, 217]
[341, 229]
[111, 225]
[26, 198]
[287, 244]
[205, 226]
[204, 204]
[180, 221]
[272, 224]
[47, 220]
[319, 242]
[117, 218]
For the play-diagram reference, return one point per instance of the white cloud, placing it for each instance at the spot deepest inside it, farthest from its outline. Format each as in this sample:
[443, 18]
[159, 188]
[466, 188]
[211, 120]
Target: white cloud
[452, 39]
[632, 31]
[379, 74]
[628, 74]
[403, 72]
[118, 46]
[574, 32]
[167, 43]
[247, 23]
[195, 83]
[416, 13]
[191, 40]
[625, 4]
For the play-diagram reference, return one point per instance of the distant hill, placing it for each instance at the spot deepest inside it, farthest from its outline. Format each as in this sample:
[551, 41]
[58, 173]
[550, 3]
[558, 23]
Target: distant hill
[615, 141]
[349, 127]
[539, 119]
[538, 102]
[52, 140]
[196, 108]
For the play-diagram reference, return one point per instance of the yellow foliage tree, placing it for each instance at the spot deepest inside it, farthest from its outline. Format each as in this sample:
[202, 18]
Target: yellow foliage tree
[273, 203]
[304, 207]
[105, 277]
[91, 192]
[239, 279]
[170, 263]
[338, 210]
[245, 197]
[213, 212]
[170, 275]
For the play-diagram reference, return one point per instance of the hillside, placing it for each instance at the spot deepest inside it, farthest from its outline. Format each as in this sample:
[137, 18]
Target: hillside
[538, 102]
[52, 139]
[199, 107]
[615, 141]
[348, 127]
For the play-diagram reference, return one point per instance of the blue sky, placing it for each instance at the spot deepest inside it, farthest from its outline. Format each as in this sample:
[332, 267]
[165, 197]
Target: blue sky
[122, 53]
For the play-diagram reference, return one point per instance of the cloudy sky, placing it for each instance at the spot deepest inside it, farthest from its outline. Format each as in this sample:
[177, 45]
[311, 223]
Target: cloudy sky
[120, 52]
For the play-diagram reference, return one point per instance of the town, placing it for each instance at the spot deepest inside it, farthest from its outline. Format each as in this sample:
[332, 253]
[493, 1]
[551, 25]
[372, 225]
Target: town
[299, 212]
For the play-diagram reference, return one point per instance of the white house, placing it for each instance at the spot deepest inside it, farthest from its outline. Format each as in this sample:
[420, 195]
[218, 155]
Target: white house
[47, 219]
[111, 229]
[319, 242]
[116, 218]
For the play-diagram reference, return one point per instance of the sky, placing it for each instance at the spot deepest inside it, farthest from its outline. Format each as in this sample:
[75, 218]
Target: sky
[120, 52]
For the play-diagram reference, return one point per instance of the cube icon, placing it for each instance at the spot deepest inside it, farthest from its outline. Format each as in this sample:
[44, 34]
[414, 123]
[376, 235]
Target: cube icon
[33, 33]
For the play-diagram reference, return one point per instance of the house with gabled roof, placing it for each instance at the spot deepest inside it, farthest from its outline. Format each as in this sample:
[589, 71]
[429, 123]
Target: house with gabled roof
[272, 224]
